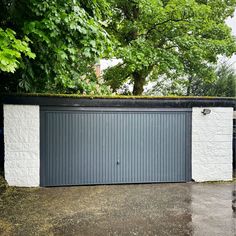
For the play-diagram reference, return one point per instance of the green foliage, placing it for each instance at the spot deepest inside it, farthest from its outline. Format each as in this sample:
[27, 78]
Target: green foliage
[116, 76]
[224, 84]
[67, 36]
[171, 37]
[158, 40]
[213, 81]
[11, 50]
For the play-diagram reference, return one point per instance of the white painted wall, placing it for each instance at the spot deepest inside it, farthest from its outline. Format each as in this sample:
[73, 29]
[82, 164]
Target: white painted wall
[212, 144]
[21, 137]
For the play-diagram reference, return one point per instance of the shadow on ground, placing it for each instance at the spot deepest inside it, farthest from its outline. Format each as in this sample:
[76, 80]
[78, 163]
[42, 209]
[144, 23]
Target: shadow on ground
[148, 209]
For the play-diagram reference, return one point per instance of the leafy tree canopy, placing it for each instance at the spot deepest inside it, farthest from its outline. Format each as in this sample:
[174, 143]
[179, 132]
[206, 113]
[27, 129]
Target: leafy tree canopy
[11, 50]
[67, 38]
[221, 84]
[224, 84]
[172, 38]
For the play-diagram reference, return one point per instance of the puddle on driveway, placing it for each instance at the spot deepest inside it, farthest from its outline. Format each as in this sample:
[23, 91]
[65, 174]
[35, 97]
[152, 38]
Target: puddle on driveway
[147, 209]
[212, 209]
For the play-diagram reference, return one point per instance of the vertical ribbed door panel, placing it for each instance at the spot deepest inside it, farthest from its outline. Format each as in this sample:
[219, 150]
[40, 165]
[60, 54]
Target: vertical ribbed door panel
[82, 147]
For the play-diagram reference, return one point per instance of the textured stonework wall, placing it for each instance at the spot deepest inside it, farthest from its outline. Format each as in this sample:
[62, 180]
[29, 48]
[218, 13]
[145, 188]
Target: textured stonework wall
[212, 144]
[21, 137]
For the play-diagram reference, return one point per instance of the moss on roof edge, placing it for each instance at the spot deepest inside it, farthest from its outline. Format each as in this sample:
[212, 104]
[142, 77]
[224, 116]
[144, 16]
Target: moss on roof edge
[112, 96]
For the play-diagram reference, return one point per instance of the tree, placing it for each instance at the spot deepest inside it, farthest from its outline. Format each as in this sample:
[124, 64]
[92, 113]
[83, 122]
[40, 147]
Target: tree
[225, 85]
[67, 38]
[177, 37]
[11, 50]
[221, 84]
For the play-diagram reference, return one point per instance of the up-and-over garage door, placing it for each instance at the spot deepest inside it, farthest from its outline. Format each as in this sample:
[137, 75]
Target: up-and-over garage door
[82, 146]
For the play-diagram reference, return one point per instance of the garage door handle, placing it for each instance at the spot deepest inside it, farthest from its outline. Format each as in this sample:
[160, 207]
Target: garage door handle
[118, 162]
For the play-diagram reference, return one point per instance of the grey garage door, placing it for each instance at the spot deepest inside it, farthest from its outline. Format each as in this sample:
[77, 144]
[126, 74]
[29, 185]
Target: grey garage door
[105, 146]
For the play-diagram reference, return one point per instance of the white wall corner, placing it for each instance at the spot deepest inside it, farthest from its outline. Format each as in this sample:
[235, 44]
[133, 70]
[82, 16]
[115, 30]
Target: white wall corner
[21, 139]
[212, 144]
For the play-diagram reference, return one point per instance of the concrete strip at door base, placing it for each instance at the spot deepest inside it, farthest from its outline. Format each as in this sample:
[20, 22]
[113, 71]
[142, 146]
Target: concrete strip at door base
[212, 144]
[21, 138]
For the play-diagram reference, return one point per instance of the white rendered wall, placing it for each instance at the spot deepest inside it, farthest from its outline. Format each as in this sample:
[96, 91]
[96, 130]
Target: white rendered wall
[21, 137]
[212, 144]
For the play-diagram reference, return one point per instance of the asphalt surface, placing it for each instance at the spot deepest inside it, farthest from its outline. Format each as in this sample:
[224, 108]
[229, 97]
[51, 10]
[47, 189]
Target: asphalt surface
[144, 209]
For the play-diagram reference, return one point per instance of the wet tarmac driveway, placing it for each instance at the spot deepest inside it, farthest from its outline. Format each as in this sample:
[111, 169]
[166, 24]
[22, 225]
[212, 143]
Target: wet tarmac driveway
[148, 209]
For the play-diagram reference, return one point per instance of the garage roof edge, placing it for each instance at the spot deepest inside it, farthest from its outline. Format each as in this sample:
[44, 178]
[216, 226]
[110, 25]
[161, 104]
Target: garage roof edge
[118, 101]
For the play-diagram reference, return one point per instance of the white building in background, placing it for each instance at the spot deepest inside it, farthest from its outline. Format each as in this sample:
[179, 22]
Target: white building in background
[105, 63]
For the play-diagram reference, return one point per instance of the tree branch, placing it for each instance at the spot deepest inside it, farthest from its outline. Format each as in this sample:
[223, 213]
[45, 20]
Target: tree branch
[162, 23]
